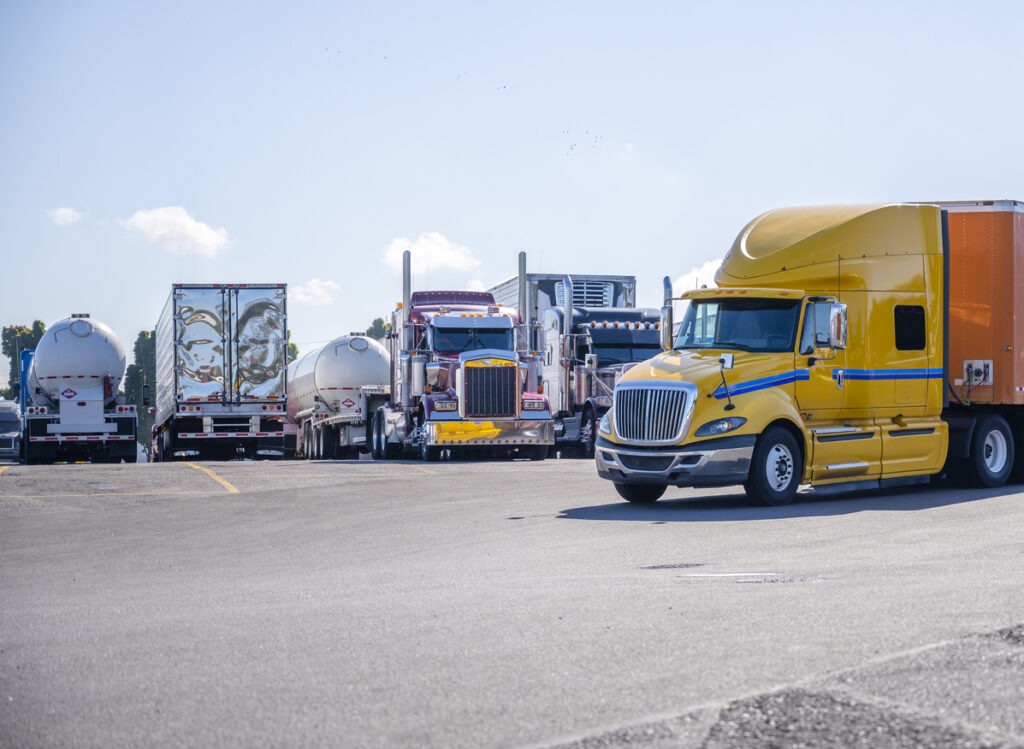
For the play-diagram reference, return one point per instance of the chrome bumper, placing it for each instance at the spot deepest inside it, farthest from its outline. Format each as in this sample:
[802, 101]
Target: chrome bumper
[718, 462]
[483, 433]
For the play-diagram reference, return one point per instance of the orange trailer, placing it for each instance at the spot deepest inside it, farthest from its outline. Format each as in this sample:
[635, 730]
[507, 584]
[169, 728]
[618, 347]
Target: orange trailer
[986, 302]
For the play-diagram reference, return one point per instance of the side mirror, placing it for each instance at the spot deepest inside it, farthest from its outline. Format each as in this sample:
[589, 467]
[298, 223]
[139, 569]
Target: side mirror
[837, 326]
[666, 327]
[726, 361]
[591, 361]
[145, 395]
[433, 373]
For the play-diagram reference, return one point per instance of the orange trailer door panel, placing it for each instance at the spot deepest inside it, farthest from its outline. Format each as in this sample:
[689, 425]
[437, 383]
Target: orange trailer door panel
[986, 288]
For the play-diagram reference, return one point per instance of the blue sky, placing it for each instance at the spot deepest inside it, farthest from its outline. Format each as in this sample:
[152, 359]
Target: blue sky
[308, 143]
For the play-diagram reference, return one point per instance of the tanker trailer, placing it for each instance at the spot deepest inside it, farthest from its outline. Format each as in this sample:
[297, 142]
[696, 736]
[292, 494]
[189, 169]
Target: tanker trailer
[333, 391]
[76, 412]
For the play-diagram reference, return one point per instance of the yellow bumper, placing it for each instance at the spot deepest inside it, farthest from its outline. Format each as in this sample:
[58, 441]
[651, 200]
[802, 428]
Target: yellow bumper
[518, 432]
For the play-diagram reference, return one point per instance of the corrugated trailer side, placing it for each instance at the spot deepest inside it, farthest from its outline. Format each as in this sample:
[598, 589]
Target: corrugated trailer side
[986, 301]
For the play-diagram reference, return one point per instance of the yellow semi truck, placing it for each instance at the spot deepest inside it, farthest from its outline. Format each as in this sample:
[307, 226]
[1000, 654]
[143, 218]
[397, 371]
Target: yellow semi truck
[845, 347]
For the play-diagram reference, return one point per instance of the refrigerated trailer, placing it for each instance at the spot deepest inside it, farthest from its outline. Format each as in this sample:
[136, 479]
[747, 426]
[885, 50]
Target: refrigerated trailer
[221, 361]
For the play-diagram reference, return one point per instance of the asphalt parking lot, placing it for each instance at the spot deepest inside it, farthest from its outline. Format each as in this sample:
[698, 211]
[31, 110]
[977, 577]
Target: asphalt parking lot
[498, 604]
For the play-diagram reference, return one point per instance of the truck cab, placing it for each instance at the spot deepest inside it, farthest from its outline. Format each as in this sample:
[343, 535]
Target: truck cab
[459, 382]
[10, 430]
[819, 360]
[585, 359]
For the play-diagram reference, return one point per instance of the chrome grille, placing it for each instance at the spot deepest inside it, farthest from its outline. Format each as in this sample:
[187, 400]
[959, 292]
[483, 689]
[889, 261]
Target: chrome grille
[6, 443]
[650, 414]
[491, 391]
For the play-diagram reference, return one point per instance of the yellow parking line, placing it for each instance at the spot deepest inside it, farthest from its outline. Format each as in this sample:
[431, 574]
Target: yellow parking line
[231, 489]
[3, 468]
[425, 470]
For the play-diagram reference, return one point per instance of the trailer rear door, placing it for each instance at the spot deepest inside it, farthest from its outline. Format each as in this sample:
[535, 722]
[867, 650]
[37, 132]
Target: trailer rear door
[200, 343]
[259, 344]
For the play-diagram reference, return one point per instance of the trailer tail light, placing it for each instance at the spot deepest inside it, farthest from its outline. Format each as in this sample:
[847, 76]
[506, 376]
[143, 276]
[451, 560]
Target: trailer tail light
[185, 409]
[35, 410]
[126, 409]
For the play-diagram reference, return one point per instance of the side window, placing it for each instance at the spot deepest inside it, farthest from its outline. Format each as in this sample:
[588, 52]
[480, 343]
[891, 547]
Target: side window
[815, 333]
[704, 323]
[910, 334]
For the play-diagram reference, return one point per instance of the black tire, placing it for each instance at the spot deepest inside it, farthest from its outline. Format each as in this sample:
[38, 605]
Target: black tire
[775, 469]
[540, 452]
[641, 493]
[1017, 474]
[429, 453]
[588, 434]
[991, 458]
[375, 437]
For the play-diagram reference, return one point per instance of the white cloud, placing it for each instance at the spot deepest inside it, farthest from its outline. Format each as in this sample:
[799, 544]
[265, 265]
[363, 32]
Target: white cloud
[430, 252]
[64, 216]
[476, 285]
[702, 276]
[315, 293]
[172, 228]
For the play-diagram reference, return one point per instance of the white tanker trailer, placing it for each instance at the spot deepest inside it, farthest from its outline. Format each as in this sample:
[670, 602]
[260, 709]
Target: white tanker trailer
[75, 411]
[330, 393]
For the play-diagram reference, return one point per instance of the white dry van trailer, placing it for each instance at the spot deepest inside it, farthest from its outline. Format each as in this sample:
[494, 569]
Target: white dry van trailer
[221, 360]
[75, 411]
[332, 394]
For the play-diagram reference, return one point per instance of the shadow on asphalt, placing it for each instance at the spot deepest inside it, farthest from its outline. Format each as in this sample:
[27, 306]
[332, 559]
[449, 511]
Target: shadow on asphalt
[736, 506]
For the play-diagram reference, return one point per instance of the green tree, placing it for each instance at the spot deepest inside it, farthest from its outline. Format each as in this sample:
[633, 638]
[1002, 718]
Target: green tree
[293, 350]
[18, 338]
[142, 372]
[377, 330]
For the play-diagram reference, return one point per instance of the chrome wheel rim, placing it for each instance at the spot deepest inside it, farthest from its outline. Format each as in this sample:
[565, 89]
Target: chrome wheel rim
[995, 451]
[779, 467]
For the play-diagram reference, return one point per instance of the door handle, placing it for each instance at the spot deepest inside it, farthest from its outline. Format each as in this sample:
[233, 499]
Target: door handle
[840, 379]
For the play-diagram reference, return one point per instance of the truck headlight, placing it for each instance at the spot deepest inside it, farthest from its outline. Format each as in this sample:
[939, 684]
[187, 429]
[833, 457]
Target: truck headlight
[605, 426]
[720, 426]
[446, 405]
[534, 405]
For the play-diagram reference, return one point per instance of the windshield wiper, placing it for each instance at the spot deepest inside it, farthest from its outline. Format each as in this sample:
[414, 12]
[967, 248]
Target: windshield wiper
[731, 344]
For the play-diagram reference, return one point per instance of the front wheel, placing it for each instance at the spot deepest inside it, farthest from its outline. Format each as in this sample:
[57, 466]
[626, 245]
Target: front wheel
[775, 469]
[377, 430]
[588, 433]
[429, 453]
[640, 493]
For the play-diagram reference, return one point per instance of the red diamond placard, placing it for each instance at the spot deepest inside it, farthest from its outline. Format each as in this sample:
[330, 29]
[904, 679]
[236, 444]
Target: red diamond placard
[348, 403]
[68, 393]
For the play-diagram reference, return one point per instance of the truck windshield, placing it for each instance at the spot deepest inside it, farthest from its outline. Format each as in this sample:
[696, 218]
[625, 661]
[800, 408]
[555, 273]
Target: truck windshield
[610, 355]
[761, 325]
[457, 340]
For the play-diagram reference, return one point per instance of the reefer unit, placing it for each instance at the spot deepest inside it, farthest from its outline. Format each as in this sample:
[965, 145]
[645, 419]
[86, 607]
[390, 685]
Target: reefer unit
[221, 359]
